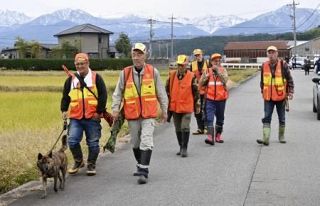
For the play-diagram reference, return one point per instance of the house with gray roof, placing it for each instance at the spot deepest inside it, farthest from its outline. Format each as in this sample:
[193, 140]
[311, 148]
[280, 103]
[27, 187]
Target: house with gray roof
[88, 38]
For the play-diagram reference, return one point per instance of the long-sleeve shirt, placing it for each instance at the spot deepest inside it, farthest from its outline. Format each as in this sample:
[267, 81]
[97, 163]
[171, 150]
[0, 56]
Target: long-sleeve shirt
[195, 90]
[102, 94]
[286, 73]
[204, 80]
[137, 77]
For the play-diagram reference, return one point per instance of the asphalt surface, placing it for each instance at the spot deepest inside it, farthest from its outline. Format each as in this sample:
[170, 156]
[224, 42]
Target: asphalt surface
[237, 172]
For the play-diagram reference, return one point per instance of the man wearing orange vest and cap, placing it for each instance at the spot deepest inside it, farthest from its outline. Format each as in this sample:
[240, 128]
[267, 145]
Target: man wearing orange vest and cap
[182, 89]
[83, 105]
[215, 81]
[198, 67]
[141, 89]
[276, 87]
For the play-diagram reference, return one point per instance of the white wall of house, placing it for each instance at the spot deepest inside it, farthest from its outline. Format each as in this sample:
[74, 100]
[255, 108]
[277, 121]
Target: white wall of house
[310, 48]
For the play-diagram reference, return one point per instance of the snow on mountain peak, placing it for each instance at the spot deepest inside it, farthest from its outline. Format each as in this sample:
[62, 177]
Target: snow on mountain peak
[9, 18]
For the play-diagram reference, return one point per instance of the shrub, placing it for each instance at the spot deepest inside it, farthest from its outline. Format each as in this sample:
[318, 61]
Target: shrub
[55, 64]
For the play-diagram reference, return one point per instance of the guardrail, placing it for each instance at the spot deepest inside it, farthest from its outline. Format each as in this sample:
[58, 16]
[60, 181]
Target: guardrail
[241, 65]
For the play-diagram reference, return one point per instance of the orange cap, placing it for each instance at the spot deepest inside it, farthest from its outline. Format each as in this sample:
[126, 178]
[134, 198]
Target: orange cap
[215, 55]
[81, 56]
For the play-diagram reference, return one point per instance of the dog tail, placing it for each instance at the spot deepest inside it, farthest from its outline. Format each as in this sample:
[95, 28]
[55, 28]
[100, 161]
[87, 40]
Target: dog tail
[64, 143]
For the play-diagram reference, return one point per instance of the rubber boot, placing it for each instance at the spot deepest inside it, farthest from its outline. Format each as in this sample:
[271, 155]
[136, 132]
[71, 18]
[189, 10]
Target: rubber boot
[210, 136]
[266, 135]
[184, 144]
[137, 156]
[218, 136]
[282, 129]
[179, 138]
[143, 170]
[78, 159]
[91, 163]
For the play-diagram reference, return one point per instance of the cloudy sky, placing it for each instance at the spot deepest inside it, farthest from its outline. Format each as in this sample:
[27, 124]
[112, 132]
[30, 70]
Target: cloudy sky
[153, 8]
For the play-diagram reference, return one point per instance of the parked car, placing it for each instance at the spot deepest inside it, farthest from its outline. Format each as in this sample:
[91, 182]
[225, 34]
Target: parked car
[316, 96]
[297, 62]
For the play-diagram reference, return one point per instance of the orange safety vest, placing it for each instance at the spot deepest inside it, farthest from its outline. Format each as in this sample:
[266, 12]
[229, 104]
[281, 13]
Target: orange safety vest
[274, 88]
[215, 88]
[83, 104]
[181, 96]
[198, 74]
[144, 105]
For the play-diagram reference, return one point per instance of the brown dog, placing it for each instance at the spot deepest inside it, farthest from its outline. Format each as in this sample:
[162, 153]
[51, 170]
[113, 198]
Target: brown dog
[50, 166]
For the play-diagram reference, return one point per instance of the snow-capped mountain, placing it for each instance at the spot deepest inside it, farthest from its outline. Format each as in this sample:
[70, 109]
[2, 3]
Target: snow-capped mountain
[42, 28]
[278, 21]
[211, 23]
[9, 18]
[74, 16]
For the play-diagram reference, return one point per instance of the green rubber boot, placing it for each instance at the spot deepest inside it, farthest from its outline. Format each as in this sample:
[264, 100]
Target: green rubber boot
[266, 135]
[281, 134]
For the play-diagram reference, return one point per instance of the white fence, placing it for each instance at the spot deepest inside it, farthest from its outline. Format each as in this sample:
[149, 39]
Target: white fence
[241, 65]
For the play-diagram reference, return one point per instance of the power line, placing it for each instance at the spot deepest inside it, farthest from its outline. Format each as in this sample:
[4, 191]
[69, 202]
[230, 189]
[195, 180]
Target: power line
[307, 19]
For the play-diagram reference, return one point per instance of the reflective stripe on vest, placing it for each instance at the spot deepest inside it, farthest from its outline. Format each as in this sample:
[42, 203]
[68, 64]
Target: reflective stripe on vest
[274, 88]
[181, 96]
[195, 70]
[83, 104]
[145, 105]
[215, 89]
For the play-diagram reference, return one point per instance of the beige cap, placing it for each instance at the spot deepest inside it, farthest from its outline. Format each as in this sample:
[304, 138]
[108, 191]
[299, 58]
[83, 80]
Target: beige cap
[273, 48]
[197, 51]
[139, 46]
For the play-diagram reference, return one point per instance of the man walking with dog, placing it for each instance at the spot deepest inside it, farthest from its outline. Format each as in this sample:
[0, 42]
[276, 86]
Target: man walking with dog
[140, 88]
[83, 102]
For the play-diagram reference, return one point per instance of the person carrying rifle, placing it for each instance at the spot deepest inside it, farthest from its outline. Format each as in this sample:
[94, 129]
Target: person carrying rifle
[84, 103]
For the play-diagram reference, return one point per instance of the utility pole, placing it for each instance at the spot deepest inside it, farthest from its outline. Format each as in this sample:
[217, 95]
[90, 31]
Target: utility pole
[172, 18]
[293, 17]
[150, 21]
[159, 44]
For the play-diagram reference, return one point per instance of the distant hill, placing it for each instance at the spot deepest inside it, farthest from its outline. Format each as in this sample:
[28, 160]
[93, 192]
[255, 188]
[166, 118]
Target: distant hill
[278, 21]
[216, 43]
[42, 28]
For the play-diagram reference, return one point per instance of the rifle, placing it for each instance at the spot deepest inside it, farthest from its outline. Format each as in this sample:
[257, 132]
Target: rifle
[286, 102]
[106, 115]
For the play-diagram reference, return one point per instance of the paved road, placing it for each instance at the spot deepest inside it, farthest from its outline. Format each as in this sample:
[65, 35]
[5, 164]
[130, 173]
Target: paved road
[238, 172]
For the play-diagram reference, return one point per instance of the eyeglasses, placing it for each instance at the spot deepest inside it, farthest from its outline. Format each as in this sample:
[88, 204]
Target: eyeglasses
[80, 63]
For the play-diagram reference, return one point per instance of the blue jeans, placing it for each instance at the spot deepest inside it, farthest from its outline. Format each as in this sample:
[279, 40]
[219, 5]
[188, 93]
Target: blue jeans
[215, 108]
[92, 129]
[268, 110]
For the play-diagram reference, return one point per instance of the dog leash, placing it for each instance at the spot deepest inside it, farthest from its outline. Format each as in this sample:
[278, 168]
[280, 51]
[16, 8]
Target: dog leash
[65, 124]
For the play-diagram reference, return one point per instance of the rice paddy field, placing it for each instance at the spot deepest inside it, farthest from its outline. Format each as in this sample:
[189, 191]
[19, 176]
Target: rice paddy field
[30, 119]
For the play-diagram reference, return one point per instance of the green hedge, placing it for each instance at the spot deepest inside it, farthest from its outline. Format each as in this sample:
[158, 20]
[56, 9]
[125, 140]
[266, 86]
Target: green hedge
[55, 64]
